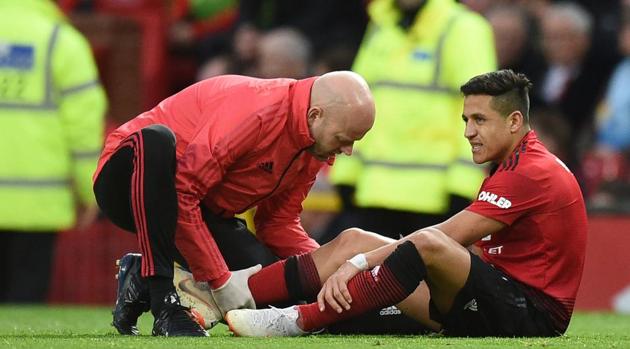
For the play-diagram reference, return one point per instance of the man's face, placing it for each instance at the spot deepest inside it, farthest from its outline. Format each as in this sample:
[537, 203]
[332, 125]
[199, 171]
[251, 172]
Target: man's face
[487, 131]
[332, 135]
[563, 43]
[510, 36]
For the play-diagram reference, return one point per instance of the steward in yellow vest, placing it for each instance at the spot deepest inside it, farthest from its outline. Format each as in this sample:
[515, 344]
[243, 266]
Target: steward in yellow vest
[51, 123]
[416, 159]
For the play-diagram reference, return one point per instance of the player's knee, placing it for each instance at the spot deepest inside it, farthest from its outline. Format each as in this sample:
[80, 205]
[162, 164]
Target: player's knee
[159, 134]
[348, 242]
[429, 242]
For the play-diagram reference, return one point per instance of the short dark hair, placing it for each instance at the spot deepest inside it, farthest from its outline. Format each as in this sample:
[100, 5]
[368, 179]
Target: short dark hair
[510, 91]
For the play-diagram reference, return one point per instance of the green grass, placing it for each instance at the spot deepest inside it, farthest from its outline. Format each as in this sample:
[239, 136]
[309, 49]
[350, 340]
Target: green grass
[86, 327]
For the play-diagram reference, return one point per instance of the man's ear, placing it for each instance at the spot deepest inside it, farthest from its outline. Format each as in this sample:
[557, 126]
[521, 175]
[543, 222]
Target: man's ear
[313, 114]
[516, 121]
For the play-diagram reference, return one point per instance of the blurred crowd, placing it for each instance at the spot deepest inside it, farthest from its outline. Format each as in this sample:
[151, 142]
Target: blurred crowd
[576, 53]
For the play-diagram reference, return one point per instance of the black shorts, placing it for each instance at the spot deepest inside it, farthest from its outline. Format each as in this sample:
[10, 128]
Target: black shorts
[493, 304]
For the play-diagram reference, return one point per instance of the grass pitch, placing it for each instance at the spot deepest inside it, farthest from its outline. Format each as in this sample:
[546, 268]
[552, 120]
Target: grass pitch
[87, 327]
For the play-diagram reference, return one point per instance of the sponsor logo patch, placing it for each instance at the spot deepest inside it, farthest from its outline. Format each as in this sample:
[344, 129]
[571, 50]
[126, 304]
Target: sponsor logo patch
[21, 57]
[472, 305]
[495, 250]
[494, 199]
[390, 311]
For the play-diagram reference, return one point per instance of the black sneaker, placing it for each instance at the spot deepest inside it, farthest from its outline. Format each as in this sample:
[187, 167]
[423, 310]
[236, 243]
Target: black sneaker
[132, 296]
[174, 320]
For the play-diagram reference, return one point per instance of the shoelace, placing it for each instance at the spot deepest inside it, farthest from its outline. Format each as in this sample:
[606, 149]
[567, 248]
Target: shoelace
[280, 322]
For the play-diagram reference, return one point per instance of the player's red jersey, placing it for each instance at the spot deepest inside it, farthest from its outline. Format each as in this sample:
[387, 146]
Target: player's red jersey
[544, 243]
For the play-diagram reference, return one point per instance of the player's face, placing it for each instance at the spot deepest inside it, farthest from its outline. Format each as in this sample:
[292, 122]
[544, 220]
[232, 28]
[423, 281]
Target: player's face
[488, 132]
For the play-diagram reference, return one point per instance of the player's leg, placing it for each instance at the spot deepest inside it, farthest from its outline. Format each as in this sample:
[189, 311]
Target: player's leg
[491, 303]
[294, 279]
[112, 190]
[387, 284]
[416, 307]
[346, 245]
[447, 264]
[423, 255]
[135, 190]
[145, 166]
[460, 293]
[387, 320]
[469, 297]
[300, 277]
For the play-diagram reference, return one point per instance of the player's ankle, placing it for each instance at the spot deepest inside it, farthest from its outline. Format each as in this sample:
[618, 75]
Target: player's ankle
[299, 322]
[159, 289]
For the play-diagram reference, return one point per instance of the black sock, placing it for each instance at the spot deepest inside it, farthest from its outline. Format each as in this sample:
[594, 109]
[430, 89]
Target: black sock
[302, 277]
[406, 265]
[159, 288]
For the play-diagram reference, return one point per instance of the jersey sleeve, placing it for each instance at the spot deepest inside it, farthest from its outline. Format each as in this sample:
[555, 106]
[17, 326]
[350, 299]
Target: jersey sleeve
[506, 196]
[203, 165]
[278, 224]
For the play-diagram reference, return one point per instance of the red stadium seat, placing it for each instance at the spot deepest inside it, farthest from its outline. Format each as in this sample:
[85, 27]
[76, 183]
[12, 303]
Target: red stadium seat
[153, 18]
[83, 268]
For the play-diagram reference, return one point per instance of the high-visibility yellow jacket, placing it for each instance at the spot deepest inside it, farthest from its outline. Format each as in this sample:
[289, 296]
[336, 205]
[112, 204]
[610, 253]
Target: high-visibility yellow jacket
[416, 153]
[52, 108]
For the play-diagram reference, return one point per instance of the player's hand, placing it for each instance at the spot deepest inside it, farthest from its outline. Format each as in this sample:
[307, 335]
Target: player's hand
[335, 289]
[235, 294]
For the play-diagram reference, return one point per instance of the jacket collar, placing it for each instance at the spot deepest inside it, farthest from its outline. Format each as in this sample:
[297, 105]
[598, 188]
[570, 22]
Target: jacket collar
[300, 100]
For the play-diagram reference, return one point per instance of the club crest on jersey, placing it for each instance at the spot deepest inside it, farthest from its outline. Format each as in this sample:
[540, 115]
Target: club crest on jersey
[494, 199]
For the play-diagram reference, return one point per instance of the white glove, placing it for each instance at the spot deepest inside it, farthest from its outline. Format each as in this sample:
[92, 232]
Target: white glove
[235, 294]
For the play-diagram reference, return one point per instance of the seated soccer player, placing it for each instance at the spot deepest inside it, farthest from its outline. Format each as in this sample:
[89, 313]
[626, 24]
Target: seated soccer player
[508, 265]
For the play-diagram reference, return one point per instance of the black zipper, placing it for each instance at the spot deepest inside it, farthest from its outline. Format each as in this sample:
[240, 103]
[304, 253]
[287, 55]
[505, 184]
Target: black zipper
[279, 180]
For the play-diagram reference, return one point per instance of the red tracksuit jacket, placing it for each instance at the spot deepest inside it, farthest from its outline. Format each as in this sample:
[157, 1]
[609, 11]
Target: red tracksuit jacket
[241, 142]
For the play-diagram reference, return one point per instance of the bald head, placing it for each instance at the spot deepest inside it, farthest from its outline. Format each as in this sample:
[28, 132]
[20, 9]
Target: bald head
[348, 95]
[342, 108]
